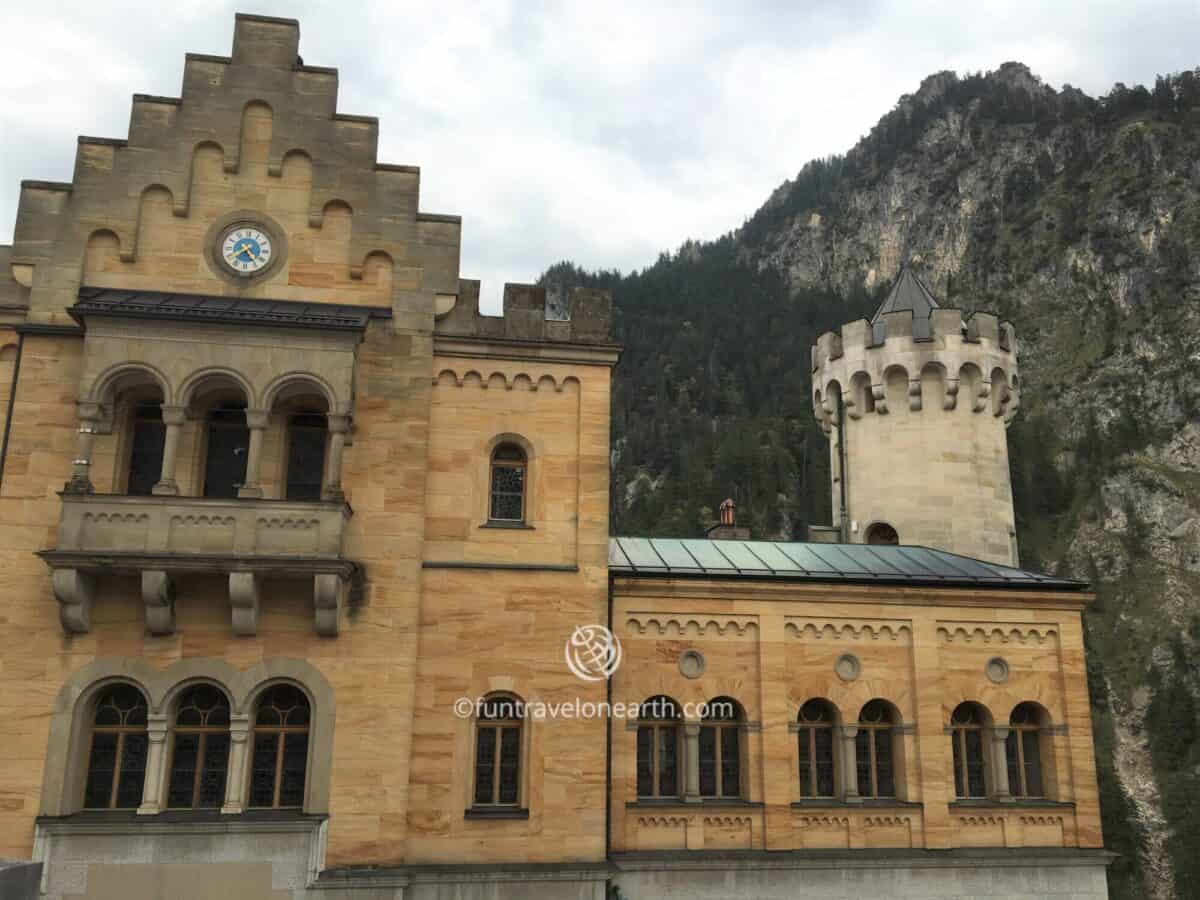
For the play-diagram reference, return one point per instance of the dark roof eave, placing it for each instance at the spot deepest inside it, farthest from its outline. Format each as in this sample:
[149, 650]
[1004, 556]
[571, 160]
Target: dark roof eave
[1064, 586]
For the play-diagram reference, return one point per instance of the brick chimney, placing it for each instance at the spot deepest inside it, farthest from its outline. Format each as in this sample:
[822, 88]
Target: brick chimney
[726, 528]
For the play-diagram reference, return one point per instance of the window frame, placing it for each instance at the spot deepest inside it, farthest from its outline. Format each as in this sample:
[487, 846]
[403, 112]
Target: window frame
[871, 733]
[806, 731]
[281, 732]
[121, 731]
[202, 731]
[960, 756]
[290, 427]
[521, 465]
[1015, 742]
[656, 725]
[719, 727]
[499, 726]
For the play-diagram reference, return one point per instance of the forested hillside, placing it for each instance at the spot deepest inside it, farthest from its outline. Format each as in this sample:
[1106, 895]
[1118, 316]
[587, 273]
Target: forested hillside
[1077, 218]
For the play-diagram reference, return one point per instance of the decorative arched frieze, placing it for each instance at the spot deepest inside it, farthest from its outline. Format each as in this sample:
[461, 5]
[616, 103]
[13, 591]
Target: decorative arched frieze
[503, 381]
[696, 626]
[968, 632]
[849, 630]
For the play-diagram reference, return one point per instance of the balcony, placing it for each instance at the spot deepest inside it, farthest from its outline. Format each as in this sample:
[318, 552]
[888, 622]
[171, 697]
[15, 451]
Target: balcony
[161, 538]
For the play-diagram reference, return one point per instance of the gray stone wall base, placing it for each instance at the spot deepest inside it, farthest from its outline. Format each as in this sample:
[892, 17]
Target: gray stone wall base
[1013, 876]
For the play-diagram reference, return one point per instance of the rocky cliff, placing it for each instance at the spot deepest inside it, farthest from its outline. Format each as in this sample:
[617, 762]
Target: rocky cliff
[1077, 218]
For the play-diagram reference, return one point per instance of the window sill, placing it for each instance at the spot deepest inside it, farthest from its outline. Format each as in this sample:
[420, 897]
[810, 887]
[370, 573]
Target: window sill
[680, 803]
[1020, 802]
[496, 812]
[500, 523]
[131, 816]
[867, 802]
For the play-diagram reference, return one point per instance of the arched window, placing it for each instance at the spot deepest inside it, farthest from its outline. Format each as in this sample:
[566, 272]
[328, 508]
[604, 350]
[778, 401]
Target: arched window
[658, 770]
[280, 762]
[966, 734]
[200, 750]
[720, 749]
[117, 758]
[306, 435]
[1023, 752]
[873, 751]
[507, 502]
[882, 533]
[498, 752]
[816, 721]
[147, 438]
[226, 451]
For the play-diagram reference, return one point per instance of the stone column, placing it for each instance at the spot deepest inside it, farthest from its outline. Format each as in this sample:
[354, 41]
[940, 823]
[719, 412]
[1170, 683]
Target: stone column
[173, 419]
[81, 465]
[235, 778]
[850, 765]
[691, 762]
[256, 421]
[156, 762]
[999, 760]
[339, 426]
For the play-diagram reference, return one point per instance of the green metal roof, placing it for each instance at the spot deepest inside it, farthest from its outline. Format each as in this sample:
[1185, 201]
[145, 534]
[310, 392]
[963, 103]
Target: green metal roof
[852, 563]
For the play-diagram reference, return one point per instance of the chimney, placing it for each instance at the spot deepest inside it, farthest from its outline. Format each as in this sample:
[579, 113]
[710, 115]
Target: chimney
[727, 528]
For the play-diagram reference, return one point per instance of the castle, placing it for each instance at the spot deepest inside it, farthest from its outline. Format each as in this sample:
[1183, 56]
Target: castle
[309, 575]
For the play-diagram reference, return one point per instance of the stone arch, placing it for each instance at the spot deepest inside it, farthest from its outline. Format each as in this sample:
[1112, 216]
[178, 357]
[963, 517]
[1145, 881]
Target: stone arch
[102, 253]
[308, 678]
[208, 163]
[65, 767]
[934, 385]
[125, 375]
[215, 376]
[186, 672]
[258, 122]
[862, 397]
[377, 271]
[156, 210]
[895, 385]
[882, 533]
[292, 383]
[973, 387]
[1000, 392]
[295, 169]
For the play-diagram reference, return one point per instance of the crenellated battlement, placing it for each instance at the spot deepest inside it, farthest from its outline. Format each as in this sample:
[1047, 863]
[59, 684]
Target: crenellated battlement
[899, 362]
[530, 313]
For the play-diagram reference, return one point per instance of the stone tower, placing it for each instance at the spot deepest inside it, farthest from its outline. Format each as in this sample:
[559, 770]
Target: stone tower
[916, 403]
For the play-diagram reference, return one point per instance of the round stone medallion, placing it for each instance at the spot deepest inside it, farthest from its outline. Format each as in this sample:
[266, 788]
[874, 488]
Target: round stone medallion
[691, 663]
[847, 667]
[996, 670]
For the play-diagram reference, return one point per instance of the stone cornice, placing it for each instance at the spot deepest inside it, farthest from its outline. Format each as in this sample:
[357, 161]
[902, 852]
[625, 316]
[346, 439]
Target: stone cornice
[541, 351]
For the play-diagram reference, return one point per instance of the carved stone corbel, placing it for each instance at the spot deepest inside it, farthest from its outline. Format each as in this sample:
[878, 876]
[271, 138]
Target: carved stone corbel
[981, 397]
[158, 596]
[243, 599]
[74, 591]
[950, 401]
[914, 394]
[879, 392]
[329, 592]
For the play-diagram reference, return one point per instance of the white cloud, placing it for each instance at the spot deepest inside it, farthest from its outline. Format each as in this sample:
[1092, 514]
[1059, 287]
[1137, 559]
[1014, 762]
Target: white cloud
[601, 133]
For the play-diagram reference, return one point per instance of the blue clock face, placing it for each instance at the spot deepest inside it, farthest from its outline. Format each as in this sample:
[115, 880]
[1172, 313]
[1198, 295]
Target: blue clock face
[246, 249]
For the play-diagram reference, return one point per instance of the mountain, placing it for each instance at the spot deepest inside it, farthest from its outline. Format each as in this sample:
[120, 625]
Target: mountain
[1078, 218]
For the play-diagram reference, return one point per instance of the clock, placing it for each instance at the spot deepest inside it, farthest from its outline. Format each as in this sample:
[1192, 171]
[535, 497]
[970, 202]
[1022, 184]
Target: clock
[245, 249]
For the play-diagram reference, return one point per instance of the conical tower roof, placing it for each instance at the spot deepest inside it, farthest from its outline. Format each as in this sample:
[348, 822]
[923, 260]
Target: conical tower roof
[908, 293]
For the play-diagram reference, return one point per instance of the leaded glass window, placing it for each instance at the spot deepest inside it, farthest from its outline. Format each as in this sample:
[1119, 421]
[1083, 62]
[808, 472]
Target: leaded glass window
[280, 748]
[117, 757]
[200, 750]
[816, 722]
[498, 752]
[873, 751]
[658, 749]
[720, 750]
[507, 502]
[966, 734]
[1023, 752]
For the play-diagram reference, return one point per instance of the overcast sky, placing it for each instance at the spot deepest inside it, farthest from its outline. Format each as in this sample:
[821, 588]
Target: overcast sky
[603, 133]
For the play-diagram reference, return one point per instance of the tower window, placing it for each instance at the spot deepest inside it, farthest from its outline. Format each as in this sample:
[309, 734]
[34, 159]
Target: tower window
[117, 759]
[882, 533]
[306, 456]
[228, 447]
[498, 753]
[507, 502]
